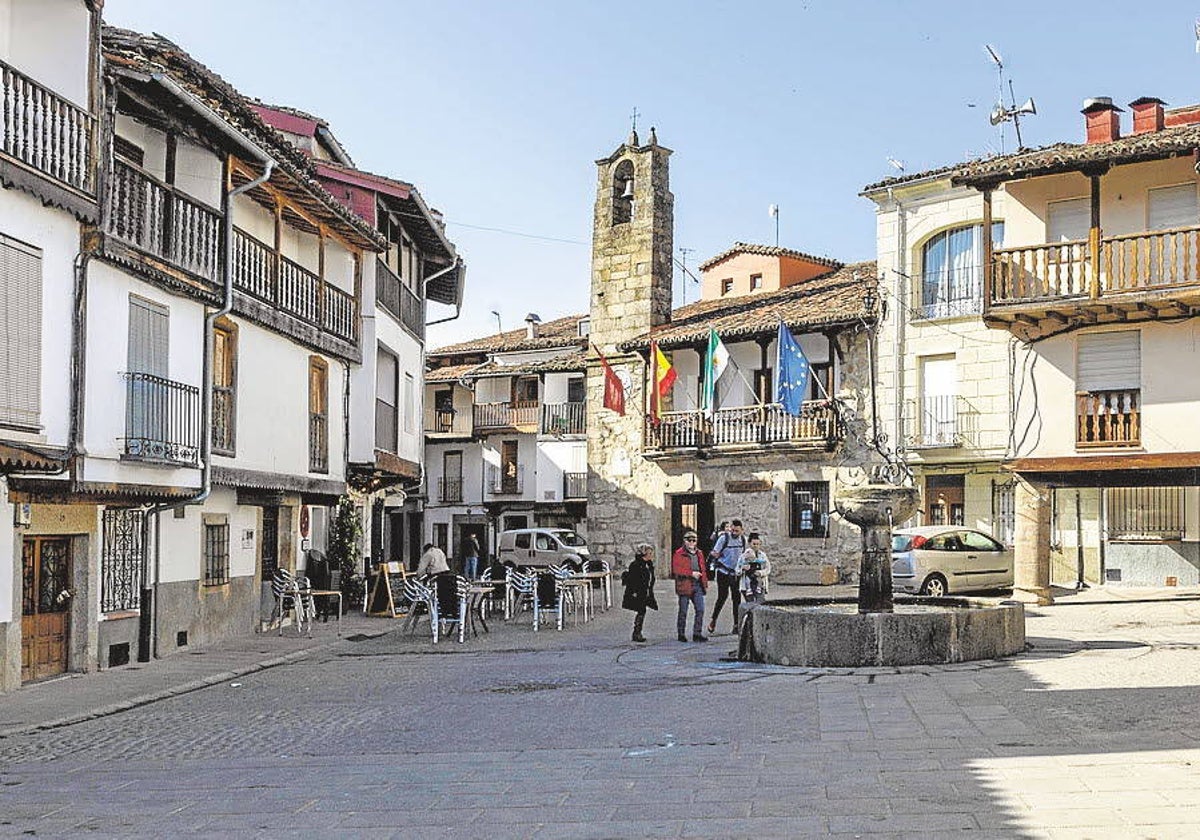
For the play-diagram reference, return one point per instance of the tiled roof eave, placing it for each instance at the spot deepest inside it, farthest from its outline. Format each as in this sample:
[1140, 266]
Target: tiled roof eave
[700, 336]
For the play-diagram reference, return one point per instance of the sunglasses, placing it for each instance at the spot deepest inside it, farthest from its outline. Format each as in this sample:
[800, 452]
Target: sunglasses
[690, 539]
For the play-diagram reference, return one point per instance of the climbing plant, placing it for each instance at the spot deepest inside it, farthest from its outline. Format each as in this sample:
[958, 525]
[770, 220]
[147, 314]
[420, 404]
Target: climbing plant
[345, 540]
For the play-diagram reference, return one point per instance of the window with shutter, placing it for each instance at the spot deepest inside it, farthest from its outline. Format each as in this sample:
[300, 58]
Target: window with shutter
[20, 333]
[147, 412]
[318, 415]
[1108, 381]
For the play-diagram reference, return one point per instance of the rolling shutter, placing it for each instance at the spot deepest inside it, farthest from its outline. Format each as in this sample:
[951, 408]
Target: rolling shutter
[1068, 221]
[1110, 361]
[148, 324]
[1173, 207]
[21, 330]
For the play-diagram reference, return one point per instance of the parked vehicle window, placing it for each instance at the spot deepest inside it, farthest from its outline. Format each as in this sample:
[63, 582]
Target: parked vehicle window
[941, 542]
[521, 541]
[975, 541]
[901, 542]
[544, 542]
[570, 538]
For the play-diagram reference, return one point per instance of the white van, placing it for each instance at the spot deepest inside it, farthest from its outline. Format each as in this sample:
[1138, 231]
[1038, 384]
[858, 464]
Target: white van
[542, 547]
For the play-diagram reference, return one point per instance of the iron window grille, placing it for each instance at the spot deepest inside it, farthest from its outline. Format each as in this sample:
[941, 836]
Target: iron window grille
[121, 560]
[808, 508]
[216, 553]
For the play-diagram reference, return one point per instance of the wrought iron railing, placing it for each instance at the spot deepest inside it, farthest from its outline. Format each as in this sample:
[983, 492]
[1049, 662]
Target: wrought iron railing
[816, 424]
[393, 295]
[318, 443]
[952, 292]
[1108, 418]
[569, 418]
[162, 420]
[575, 485]
[43, 130]
[505, 415]
[163, 221]
[1114, 264]
[292, 288]
[937, 421]
[450, 489]
[508, 480]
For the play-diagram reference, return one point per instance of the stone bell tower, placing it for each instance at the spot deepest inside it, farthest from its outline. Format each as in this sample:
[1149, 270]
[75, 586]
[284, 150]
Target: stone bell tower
[632, 247]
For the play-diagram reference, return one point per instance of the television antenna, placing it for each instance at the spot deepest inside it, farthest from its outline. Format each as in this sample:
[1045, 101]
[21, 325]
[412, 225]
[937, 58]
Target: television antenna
[1012, 112]
[896, 164]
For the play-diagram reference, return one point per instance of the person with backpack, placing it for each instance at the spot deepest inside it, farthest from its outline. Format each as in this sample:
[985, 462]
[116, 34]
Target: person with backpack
[726, 554]
[639, 587]
[471, 557]
[691, 582]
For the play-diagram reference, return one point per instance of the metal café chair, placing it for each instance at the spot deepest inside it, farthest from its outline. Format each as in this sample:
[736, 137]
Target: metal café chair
[522, 590]
[420, 596]
[452, 593]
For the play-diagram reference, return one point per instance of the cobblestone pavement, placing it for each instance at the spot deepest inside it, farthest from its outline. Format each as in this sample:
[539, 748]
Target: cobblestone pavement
[1091, 733]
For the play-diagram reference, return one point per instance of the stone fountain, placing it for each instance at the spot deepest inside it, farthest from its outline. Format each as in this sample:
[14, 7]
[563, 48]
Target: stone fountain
[874, 630]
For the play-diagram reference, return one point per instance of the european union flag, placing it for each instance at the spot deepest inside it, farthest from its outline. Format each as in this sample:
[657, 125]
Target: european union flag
[793, 372]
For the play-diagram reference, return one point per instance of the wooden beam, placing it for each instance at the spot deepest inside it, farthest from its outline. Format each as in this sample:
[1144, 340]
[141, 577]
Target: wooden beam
[1132, 461]
[1058, 318]
[1094, 237]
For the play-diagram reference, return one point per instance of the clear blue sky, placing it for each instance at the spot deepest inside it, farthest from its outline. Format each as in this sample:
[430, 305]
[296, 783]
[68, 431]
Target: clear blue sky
[497, 110]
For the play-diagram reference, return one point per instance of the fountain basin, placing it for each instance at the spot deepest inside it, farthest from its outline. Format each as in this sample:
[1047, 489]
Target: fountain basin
[816, 633]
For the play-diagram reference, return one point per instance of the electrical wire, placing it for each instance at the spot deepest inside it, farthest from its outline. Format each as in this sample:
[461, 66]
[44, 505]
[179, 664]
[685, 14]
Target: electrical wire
[519, 233]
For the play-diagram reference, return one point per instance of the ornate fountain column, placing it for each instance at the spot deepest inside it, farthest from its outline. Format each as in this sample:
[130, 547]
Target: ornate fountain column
[874, 508]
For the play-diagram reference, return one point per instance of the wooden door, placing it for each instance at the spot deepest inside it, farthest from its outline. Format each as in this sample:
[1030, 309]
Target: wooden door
[46, 600]
[269, 544]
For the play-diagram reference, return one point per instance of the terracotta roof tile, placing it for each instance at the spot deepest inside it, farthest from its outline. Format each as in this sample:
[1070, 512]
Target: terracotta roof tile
[561, 332]
[766, 251]
[833, 298]
[566, 363]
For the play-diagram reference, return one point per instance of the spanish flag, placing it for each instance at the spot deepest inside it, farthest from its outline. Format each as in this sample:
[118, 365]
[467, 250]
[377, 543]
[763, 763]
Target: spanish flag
[663, 375]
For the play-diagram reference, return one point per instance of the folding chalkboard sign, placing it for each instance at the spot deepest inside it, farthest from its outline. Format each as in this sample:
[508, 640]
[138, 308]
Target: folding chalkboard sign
[387, 595]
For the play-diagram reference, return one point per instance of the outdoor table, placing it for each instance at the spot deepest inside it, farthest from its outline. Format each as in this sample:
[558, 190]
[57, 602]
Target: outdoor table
[583, 585]
[605, 579]
[476, 593]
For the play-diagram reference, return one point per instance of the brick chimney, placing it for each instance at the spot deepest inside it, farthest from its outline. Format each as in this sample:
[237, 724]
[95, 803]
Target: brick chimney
[1148, 114]
[1103, 122]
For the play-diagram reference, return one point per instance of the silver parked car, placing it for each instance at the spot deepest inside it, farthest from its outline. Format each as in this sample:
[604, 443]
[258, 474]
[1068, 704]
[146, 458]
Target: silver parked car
[941, 559]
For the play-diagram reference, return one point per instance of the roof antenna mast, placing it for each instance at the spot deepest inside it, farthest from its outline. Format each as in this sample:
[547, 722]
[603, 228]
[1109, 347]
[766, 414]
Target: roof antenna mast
[1001, 113]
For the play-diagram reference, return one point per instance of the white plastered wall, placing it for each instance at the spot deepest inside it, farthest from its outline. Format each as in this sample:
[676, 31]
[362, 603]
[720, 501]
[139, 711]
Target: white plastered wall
[48, 41]
[109, 293]
[182, 547]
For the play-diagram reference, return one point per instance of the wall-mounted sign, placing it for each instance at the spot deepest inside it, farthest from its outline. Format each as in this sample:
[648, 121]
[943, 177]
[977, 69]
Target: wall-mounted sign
[248, 538]
[748, 485]
[304, 520]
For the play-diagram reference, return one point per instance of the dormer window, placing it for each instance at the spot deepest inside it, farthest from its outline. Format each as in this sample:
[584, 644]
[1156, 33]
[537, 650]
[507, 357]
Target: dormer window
[755, 282]
[727, 286]
[622, 193]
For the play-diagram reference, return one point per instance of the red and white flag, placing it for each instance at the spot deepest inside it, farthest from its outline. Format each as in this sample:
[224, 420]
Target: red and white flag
[614, 391]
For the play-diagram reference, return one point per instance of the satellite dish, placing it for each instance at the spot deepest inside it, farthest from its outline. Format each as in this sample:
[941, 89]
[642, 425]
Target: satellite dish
[1027, 107]
[998, 115]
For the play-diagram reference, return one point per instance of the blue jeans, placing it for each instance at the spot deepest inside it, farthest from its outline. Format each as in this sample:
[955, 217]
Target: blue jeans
[696, 599]
[470, 568]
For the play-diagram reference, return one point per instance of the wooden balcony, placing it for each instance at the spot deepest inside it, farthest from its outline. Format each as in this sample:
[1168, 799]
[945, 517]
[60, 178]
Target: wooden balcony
[816, 428]
[290, 287]
[46, 133]
[1108, 419]
[506, 415]
[393, 295]
[162, 223]
[1042, 289]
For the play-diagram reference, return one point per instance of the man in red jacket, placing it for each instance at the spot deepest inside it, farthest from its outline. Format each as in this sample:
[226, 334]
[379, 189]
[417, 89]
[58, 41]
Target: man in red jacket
[691, 582]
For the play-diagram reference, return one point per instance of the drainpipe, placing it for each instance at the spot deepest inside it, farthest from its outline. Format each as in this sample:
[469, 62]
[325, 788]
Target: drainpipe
[458, 304]
[148, 619]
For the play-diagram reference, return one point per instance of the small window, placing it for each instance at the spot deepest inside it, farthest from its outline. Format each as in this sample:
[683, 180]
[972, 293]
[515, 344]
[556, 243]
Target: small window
[622, 193]
[727, 286]
[224, 389]
[544, 543]
[808, 508]
[755, 282]
[216, 551]
[575, 390]
[121, 560]
[521, 541]
[585, 327]
[318, 415]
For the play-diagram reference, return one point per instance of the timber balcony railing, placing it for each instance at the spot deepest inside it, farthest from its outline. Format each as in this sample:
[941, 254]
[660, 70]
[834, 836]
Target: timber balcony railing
[575, 485]
[163, 221]
[1103, 265]
[1108, 418]
[567, 418]
[505, 415]
[450, 490]
[937, 421]
[162, 420]
[45, 131]
[508, 480]
[285, 284]
[398, 299]
[817, 425]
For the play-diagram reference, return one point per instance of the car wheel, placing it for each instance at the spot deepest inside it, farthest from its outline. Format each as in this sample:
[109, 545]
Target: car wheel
[934, 586]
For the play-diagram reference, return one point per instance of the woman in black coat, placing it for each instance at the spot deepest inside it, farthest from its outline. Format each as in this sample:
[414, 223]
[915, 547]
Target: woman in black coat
[639, 587]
